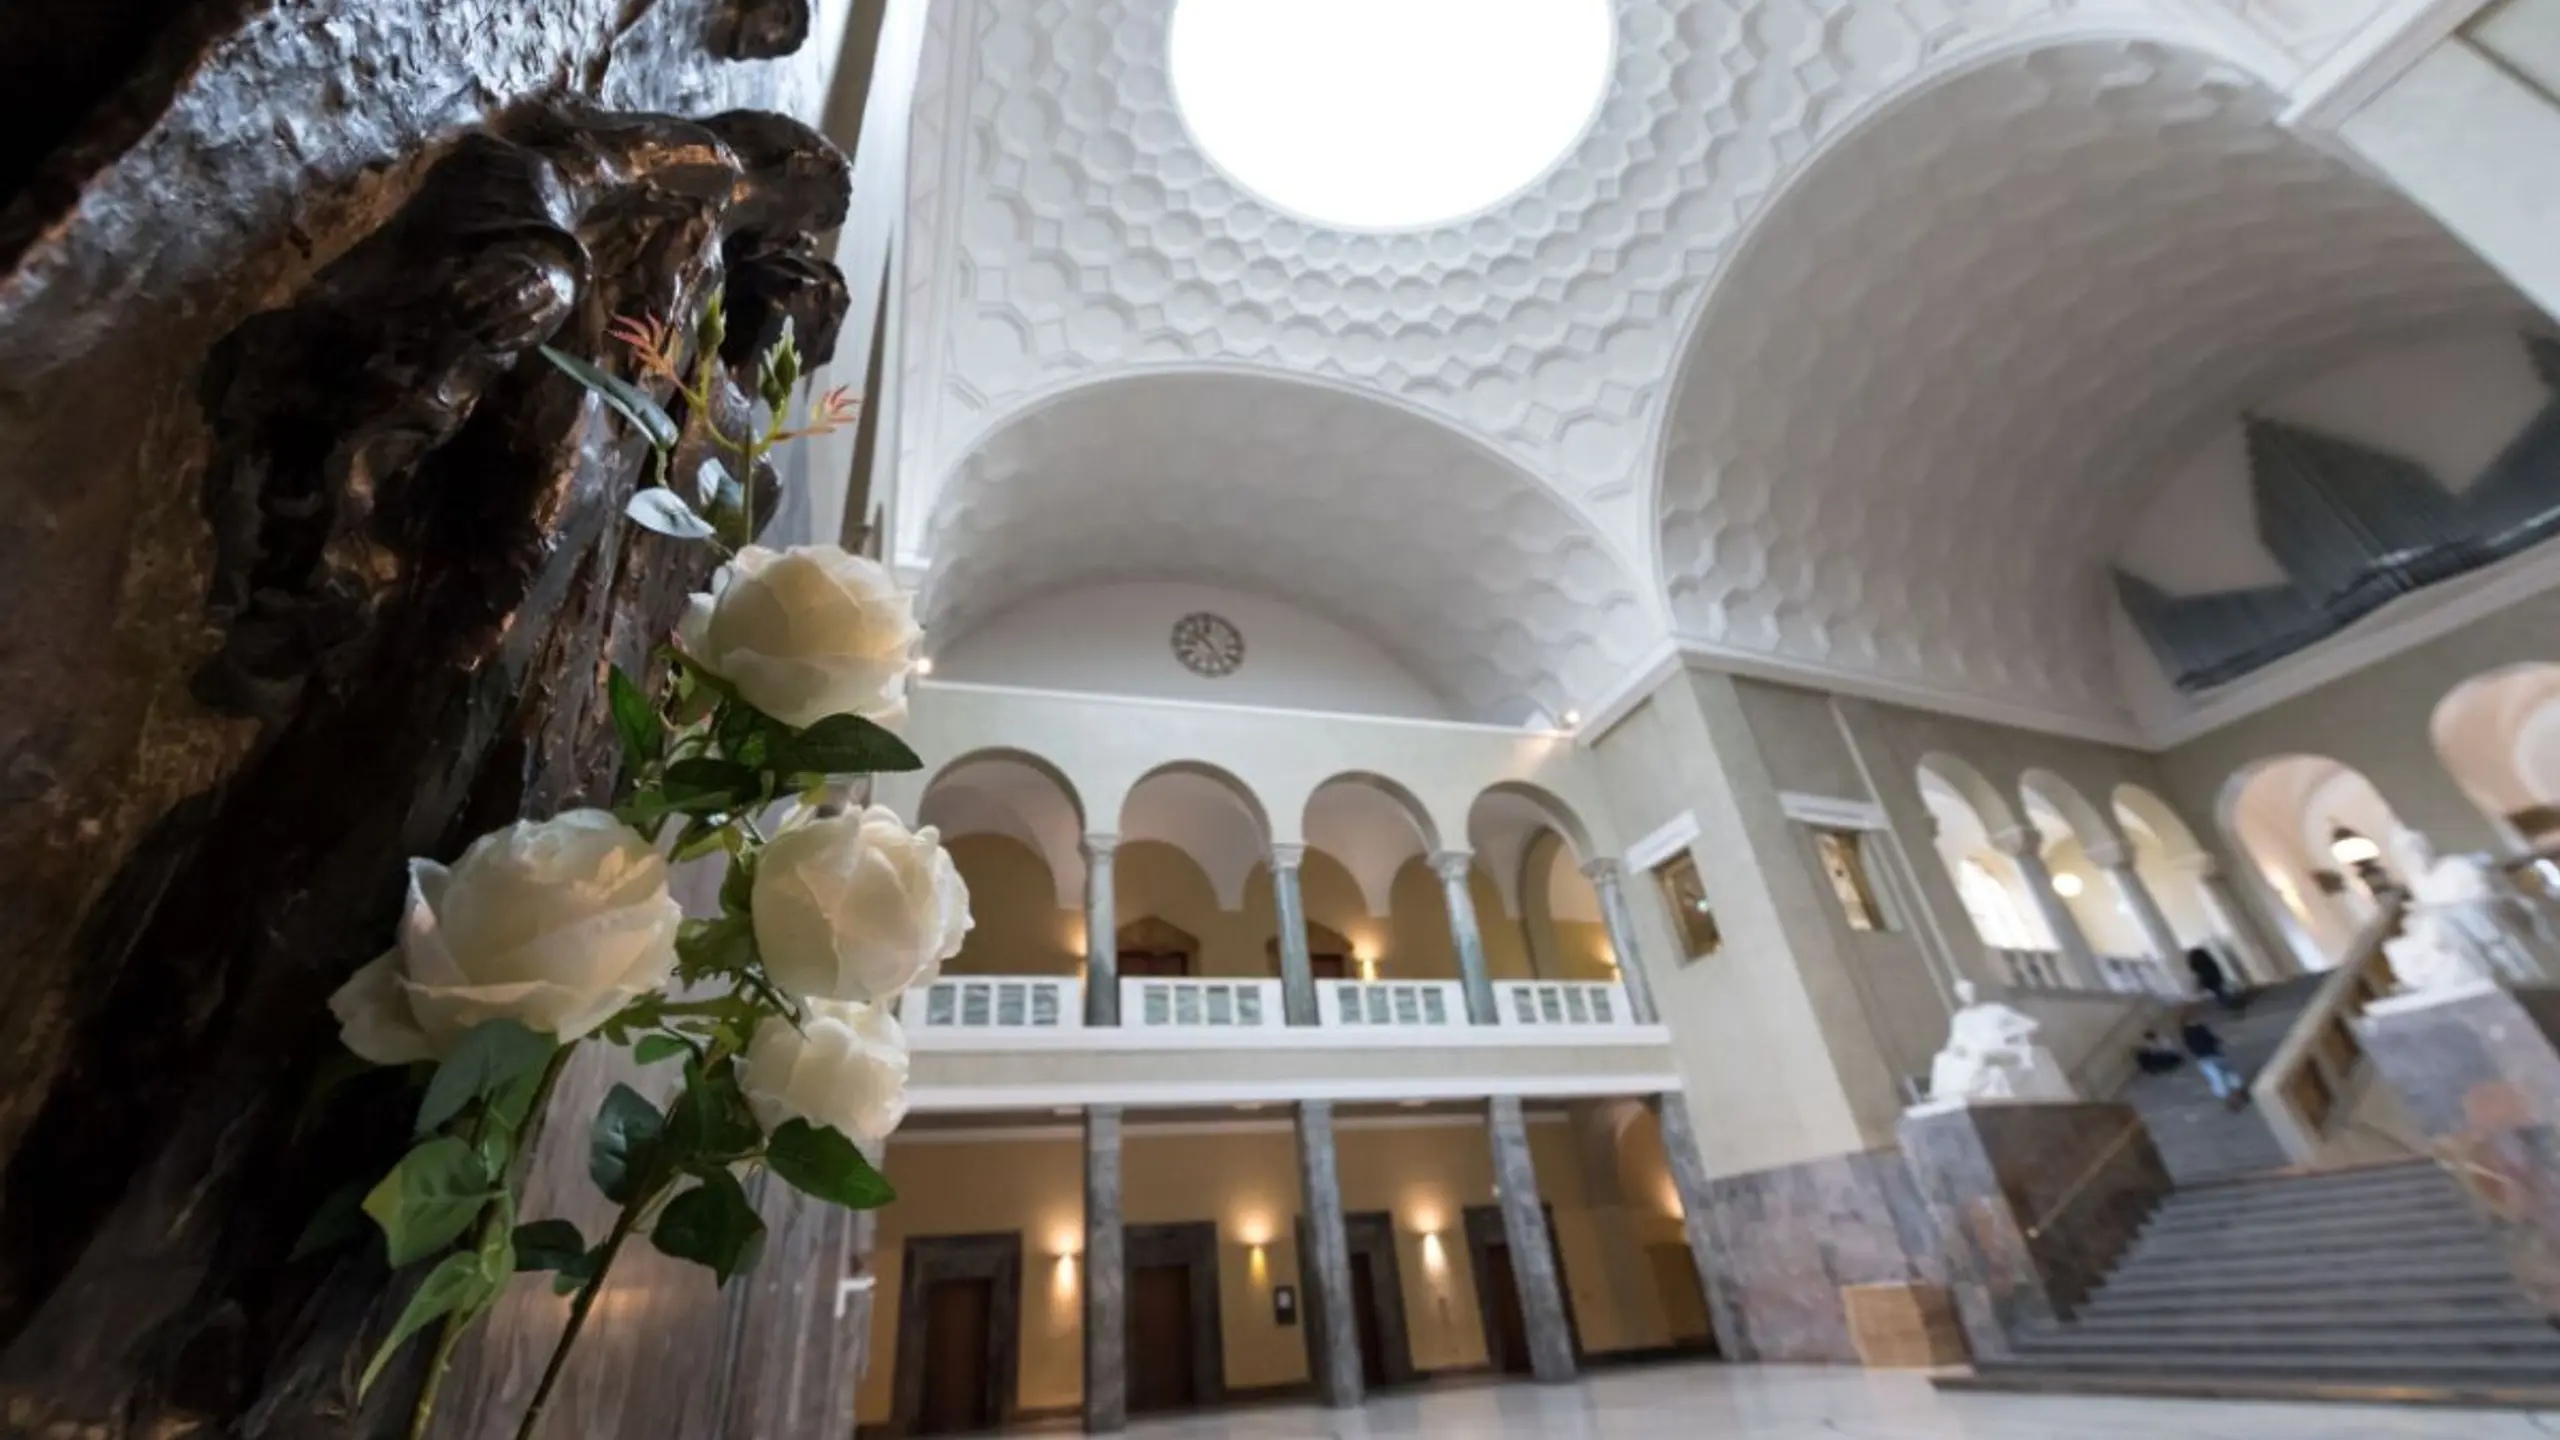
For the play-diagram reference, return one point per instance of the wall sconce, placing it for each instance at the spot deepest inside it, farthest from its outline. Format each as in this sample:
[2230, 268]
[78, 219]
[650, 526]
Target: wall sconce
[1435, 1256]
[1257, 1263]
[2066, 885]
[2351, 849]
[1368, 968]
[1062, 1283]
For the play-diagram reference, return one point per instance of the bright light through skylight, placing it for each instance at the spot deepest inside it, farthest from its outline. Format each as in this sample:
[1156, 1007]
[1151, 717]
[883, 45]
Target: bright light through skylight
[1388, 114]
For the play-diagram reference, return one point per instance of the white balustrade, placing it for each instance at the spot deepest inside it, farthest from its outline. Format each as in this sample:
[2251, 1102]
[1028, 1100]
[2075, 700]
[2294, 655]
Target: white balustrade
[2033, 969]
[2138, 975]
[1561, 1002]
[1152, 1003]
[977, 1004]
[1391, 1004]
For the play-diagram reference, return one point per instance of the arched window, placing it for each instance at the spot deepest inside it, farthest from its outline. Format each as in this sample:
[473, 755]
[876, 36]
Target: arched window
[1995, 911]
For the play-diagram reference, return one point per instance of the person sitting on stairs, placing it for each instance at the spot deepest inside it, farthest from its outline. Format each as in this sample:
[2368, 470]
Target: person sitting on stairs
[2213, 980]
[2206, 1048]
[2155, 1056]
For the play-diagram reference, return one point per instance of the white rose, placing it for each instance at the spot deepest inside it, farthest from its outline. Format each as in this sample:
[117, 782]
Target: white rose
[857, 907]
[845, 1067]
[806, 633]
[556, 925]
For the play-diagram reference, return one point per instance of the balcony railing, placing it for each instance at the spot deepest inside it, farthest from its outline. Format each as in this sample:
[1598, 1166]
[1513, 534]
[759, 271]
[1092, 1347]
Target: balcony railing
[982, 1003]
[1558, 1002]
[1178, 1004]
[2139, 975]
[1043, 1011]
[1391, 1004]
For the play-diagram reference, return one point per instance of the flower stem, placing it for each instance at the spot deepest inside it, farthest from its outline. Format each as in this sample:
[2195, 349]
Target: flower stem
[623, 1225]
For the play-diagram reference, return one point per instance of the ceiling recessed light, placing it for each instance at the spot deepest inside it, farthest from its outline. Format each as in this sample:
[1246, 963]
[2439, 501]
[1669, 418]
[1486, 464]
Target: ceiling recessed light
[1572, 718]
[1388, 114]
[2066, 886]
[924, 665]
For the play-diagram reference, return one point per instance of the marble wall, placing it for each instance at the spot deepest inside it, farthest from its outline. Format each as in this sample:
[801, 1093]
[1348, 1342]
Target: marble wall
[2032, 1204]
[1786, 1240]
[2480, 1076]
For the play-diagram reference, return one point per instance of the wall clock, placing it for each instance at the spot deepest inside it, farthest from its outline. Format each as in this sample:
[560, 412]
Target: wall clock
[1208, 644]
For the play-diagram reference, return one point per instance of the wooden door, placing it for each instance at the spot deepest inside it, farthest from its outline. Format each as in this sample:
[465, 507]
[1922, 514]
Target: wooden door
[1509, 1341]
[1159, 1355]
[1329, 967]
[1139, 964]
[957, 1397]
[1684, 1300]
[1364, 1311]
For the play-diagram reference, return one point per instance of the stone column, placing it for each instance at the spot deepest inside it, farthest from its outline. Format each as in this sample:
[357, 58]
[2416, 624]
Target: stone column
[1533, 1256]
[1325, 1263]
[2023, 845]
[1453, 867]
[1297, 974]
[1609, 878]
[2116, 859]
[1689, 1178]
[1101, 934]
[1106, 1278]
[2222, 911]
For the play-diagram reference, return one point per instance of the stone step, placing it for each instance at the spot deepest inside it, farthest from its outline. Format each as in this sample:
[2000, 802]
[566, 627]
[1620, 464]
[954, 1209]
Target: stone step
[2374, 1365]
[2431, 1232]
[2288, 1276]
[2484, 1293]
[2387, 1208]
[2299, 1183]
[2306, 1336]
[2062, 1380]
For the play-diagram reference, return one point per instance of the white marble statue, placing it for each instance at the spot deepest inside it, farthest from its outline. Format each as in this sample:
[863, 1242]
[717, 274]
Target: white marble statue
[1992, 1054]
[2467, 924]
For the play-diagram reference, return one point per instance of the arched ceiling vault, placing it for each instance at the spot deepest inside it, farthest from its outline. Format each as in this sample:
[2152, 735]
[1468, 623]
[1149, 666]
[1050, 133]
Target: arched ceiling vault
[1466, 570]
[1926, 399]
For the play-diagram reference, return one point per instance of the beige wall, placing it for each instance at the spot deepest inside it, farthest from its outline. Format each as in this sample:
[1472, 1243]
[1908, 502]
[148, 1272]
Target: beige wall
[1425, 1176]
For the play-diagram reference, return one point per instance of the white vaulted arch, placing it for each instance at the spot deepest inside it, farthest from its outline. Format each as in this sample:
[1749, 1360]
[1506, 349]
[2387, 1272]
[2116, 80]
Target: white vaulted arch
[1464, 568]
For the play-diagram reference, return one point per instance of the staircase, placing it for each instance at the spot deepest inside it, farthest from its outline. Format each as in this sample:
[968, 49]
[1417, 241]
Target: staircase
[2200, 1139]
[2251, 1280]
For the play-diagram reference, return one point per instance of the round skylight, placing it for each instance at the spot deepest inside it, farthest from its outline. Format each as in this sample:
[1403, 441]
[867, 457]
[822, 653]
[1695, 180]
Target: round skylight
[1388, 114]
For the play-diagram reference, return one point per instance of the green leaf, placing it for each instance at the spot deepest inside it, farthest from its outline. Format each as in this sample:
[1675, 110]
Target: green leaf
[654, 1048]
[738, 887]
[548, 1245]
[460, 1284]
[339, 1219]
[430, 1198]
[488, 1056]
[843, 745]
[712, 1225]
[618, 1150]
[704, 786]
[630, 400]
[712, 1124]
[819, 1160]
[663, 510]
[635, 720]
[745, 734]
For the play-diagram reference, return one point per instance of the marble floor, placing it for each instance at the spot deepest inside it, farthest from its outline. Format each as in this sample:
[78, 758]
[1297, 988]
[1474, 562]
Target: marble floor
[1787, 1403]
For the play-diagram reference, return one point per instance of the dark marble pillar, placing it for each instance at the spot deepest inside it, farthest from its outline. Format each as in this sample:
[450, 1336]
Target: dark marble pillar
[1533, 1256]
[1297, 972]
[1788, 1241]
[1689, 1178]
[800, 1334]
[1106, 1277]
[2032, 1203]
[1101, 934]
[2479, 1074]
[1609, 879]
[1454, 867]
[1325, 1264]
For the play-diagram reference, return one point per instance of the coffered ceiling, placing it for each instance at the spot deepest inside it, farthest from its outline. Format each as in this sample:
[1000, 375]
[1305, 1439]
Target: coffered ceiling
[1837, 344]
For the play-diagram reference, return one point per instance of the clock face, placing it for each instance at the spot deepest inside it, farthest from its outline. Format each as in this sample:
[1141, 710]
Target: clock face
[1208, 644]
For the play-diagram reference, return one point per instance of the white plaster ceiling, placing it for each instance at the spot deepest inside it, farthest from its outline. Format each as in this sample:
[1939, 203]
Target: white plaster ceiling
[999, 796]
[1931, 396]
[1203, 818]
[1474, 577]
[2499, 737]
[1369, 831]
[1922, 335]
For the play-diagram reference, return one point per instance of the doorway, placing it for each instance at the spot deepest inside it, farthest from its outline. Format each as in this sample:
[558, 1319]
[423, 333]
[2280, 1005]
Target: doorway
[1684, 1299]
[1506, 1321]
[1155, 947]
[959, 1329]
[1377, 1300]
[1175, 1352]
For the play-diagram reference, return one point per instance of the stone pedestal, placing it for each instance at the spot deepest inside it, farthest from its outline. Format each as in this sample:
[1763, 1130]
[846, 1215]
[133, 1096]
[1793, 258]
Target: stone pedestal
[2033, 1203]
[2479, 1074]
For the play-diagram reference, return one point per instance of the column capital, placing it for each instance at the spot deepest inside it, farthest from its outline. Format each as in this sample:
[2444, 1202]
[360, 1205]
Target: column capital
[1288, 857]
[1452, 865]
[1098, 845]
[2018, 842]
[1607, 870]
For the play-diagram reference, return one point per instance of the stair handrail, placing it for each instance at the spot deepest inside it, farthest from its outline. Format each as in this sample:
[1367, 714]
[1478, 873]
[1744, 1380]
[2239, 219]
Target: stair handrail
[2080, 1183]
[2308, 1086]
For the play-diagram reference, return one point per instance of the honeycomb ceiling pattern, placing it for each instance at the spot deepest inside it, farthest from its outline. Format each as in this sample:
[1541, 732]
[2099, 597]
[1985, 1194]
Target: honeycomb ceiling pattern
[1471, 574]
[1931, 394]
[1093, 236]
